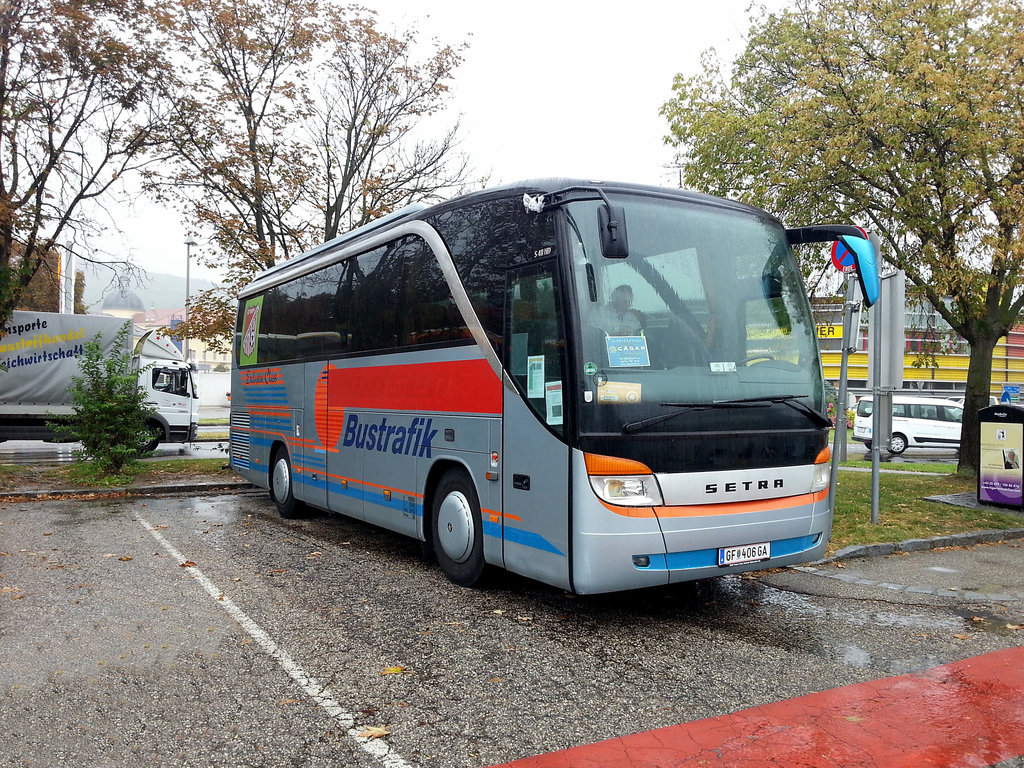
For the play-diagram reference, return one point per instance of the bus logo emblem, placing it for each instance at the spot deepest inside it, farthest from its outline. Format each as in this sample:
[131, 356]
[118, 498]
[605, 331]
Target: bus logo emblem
[249, 332]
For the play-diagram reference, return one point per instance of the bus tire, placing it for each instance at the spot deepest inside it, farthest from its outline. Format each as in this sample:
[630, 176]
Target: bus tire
[456, 529]
[281, 485]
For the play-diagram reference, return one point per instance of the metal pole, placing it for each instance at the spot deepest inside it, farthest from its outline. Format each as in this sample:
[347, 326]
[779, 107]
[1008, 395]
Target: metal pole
[876, 418]
[839, 441]
[188, 267]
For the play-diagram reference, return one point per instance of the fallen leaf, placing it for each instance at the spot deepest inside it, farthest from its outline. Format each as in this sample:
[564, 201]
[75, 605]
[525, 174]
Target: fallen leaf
[188, 564]
[313, 555]
[374, 732]
[962, 637]
[286, 702]
[1015, 626]
[125, 558]
[978, 619]
[396, 670]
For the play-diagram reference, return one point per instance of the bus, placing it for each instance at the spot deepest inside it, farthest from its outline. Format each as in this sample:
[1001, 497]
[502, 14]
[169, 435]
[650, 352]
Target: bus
[599, 386]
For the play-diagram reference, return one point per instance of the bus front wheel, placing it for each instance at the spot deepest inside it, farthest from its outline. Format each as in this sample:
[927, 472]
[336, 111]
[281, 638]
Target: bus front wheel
[281, 485]
[457, 531]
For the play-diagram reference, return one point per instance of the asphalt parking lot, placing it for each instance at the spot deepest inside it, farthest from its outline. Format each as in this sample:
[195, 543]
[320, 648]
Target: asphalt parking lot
[207, 631]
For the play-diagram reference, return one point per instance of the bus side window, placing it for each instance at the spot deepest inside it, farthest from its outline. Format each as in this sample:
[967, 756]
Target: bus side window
[535, 346]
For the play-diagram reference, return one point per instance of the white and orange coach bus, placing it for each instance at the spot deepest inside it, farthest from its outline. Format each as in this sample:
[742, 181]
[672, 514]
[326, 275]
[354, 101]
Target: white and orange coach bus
[599, 386]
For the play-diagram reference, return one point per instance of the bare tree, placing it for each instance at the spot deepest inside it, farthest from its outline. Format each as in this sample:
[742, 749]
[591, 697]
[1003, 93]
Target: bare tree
[297, 121]
[370, 104]
[78, 110]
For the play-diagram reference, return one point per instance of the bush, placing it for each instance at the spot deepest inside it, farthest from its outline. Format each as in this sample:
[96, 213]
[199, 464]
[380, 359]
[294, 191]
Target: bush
[110, 408]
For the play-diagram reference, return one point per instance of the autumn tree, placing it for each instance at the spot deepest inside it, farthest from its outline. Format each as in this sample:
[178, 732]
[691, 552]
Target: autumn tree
[298, 122]
[42, 294]
[906, 116]
[78, 110]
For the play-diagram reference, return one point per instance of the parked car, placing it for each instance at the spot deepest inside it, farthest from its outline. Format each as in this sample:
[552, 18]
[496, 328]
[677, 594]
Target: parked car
[917, 422]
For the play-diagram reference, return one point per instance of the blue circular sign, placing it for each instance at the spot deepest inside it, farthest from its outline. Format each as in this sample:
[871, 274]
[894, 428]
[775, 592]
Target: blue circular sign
[842, 258]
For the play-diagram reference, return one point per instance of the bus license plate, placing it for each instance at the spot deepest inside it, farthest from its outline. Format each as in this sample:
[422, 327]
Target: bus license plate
[748, 553]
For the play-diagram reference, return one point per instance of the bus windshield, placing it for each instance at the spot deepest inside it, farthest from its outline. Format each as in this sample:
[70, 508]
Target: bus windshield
[708, 307]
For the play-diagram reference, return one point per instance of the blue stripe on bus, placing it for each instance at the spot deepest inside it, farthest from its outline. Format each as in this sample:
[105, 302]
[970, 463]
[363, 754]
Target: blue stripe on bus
[523, 538]
[707, 558]
[400, 503]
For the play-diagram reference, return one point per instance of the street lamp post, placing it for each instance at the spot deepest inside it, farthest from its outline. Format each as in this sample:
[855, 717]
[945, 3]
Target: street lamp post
[188, 267]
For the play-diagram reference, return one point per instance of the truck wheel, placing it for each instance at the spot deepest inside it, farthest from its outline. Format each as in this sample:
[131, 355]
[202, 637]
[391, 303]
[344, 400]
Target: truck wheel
[281, 485]
[156, 433]
[457, 531]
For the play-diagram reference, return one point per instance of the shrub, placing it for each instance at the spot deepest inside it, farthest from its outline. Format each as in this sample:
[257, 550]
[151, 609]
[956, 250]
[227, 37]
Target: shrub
[110, 408]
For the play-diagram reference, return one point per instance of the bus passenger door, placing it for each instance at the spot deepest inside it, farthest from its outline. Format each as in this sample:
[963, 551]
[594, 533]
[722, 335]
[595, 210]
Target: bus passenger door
[535, 463]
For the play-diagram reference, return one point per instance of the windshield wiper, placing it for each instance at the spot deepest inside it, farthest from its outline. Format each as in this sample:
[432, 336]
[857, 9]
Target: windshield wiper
[796, 403]
[793, 401]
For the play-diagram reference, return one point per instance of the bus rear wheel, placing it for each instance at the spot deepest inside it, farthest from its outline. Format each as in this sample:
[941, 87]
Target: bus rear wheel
[281, 485]
[457, 530]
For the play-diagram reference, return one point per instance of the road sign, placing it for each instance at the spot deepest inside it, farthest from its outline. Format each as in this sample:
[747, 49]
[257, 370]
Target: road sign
[842, 258]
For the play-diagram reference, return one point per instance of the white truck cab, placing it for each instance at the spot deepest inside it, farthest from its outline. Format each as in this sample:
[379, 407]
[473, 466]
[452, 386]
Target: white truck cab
[171, 389]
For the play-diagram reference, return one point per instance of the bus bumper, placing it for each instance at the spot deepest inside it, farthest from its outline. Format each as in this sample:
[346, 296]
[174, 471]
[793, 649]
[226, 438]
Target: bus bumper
[618, 548]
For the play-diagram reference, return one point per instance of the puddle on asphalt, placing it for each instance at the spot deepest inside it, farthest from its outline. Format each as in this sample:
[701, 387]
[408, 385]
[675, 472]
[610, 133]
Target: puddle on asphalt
[854, 656]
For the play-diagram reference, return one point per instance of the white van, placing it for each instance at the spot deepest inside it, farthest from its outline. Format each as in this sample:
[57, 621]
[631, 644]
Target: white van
[916, 422]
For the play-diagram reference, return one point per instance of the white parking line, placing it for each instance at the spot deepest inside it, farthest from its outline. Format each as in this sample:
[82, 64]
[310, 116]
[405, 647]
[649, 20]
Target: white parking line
[312, 687]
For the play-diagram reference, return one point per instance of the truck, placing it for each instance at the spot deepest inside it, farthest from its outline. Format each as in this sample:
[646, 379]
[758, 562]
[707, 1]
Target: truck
[39, 354]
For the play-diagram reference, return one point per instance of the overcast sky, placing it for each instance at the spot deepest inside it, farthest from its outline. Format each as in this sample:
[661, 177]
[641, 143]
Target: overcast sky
[556, 88]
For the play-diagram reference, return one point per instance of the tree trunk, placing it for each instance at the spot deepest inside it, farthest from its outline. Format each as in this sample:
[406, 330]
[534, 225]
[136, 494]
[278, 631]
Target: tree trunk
[979, 381]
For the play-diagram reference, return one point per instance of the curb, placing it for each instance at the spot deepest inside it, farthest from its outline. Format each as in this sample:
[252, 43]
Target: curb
[227, 486]
[916, 545]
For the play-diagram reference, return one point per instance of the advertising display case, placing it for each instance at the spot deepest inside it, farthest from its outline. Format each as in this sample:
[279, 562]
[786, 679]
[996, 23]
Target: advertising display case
[1001, 443]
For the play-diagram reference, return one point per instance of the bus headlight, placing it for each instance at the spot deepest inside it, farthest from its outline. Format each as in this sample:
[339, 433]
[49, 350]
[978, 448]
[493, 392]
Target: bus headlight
[822, 471]
[628, 491]
[623, 482]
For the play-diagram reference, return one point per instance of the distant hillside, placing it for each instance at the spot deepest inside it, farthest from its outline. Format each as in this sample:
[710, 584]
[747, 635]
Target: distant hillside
[160, 292]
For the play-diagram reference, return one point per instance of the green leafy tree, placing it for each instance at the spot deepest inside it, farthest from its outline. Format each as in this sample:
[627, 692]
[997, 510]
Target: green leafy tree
[906, 116]
[110, 409]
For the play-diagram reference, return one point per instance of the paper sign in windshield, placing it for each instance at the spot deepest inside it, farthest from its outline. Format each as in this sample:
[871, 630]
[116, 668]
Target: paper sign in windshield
[627, 352]
[618, 392]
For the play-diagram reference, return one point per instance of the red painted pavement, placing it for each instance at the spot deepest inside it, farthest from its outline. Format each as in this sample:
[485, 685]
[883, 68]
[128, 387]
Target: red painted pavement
[969, 713]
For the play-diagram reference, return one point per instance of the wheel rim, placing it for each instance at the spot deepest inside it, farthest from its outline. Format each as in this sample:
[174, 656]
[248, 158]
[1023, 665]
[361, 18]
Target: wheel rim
[455, 526]
[898, 444]
[282, 480]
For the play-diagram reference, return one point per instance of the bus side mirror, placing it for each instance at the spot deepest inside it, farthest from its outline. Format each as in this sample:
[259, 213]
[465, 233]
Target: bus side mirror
[865, 257]
[611, 222]
[864, 248]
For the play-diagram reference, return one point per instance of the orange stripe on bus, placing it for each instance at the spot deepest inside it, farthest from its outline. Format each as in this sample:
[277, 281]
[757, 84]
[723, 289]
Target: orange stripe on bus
[727, 508]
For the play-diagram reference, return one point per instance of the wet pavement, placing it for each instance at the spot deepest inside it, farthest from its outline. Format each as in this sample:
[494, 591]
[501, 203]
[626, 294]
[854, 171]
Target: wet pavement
[208, 631]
